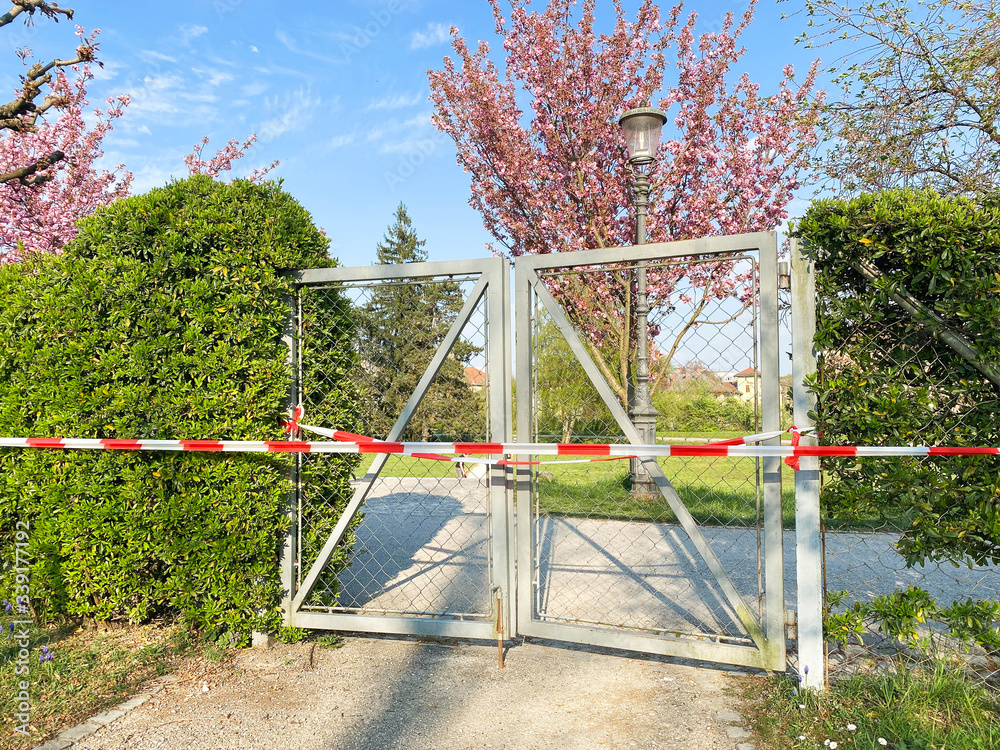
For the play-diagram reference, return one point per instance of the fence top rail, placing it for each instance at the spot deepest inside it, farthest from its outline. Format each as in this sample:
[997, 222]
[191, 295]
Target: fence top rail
[721, 245]
[424, 270]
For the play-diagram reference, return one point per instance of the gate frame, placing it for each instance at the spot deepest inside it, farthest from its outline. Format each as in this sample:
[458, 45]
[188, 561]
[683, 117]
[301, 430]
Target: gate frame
[769, 649]
[493, 285]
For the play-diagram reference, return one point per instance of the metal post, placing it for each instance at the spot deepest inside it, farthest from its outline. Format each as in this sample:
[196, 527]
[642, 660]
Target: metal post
[774, 573]
[499, 371]
[808, 549]
[641, 410]
[288, 552]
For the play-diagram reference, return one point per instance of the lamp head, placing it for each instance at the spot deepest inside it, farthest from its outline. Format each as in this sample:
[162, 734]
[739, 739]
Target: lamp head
[642, 127]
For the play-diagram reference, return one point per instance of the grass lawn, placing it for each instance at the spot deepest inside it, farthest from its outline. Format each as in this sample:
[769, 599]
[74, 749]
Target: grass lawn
[932, 705]
[404, 466]
[717, 491]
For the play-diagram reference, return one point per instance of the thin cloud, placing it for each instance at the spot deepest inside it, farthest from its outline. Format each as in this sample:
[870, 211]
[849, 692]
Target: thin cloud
[294, 111]
[255, 88]
[293, 46]
[189, 31]
[396, 101]
[435, 34]
[106, 72]
[213, 77]
[156, 96]
[341, 141]
[416, 134]
[149, 55]
[189, 98]
[149, 173]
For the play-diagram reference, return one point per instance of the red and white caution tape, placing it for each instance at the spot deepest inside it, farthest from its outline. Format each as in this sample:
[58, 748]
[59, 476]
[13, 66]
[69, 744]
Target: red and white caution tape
[350, 437]
[349, 442]
[594, 450]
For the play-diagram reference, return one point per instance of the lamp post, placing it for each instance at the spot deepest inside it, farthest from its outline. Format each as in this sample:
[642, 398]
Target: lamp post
[642, 129]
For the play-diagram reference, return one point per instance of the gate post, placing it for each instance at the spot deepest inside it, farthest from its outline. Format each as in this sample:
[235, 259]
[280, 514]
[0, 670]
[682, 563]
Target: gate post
[501, 430]
[808, 549]
[287, 553]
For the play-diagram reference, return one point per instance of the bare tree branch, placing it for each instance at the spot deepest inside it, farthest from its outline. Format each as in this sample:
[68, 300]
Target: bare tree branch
[28, 175]
[21, 114]
[12, 114]
[50, 10]
[920, 104]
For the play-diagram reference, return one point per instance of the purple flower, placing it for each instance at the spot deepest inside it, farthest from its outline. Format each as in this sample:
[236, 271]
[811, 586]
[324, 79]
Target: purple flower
[806, 669]
[8, 606]
[45, 649]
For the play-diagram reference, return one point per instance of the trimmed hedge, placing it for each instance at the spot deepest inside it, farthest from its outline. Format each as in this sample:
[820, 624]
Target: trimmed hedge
[162, 319]
[886, 379]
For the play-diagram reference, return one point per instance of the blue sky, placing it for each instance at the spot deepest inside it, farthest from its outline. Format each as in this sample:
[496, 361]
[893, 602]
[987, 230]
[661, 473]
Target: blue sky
[337, 91]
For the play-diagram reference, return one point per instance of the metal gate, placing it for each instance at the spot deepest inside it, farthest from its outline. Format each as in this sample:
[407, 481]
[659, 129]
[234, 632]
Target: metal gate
[408, 546]
[390, 544]
[696, 569]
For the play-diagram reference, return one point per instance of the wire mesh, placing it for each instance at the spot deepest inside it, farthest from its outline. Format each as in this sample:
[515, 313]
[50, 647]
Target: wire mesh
[419, 546]
[607, 556]
[890, 597]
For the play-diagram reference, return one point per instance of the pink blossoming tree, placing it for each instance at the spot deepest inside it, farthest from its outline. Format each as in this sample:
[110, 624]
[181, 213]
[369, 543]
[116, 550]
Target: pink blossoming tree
[38, 209]
[556, 179]
[224, 158]
[48, 172]
[21, 113]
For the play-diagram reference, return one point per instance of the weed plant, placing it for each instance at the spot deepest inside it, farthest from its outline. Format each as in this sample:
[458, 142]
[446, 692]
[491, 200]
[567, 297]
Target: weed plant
[75, 673]
[931, 705]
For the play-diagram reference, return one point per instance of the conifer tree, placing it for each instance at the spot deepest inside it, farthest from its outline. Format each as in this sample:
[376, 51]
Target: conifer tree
[404, 324]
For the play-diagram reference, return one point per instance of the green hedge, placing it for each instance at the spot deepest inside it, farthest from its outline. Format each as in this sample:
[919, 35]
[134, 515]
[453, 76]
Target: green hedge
[163, 319]
[886, 379]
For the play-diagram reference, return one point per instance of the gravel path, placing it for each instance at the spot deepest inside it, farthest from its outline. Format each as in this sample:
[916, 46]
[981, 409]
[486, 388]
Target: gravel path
[379, 693]
[422, 547]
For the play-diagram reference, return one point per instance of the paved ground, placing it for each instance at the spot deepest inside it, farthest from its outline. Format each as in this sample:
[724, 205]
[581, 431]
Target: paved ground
[377, 693]
[423, 547]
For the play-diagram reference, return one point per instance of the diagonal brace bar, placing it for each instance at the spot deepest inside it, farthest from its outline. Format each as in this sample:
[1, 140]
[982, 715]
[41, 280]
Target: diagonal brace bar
[941, 330]
[663, 484]
[397, 429]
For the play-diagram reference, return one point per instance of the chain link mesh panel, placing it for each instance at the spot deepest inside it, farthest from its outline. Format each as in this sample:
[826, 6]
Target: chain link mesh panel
[420, 544]
[890, 594]
[605, 556]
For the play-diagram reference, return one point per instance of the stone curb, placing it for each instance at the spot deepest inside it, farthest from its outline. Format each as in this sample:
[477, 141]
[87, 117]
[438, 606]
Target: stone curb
[68, 737]
[733, 720]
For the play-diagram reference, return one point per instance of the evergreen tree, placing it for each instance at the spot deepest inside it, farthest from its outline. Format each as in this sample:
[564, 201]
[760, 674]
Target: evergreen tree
[404, 324]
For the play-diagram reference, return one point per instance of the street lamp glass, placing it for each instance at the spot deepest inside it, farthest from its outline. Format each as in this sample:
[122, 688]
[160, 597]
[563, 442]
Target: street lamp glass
[642, 129]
